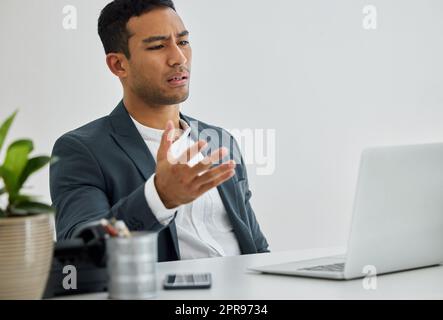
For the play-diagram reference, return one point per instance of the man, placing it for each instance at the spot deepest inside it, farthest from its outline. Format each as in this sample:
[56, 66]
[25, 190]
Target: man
[143, 163]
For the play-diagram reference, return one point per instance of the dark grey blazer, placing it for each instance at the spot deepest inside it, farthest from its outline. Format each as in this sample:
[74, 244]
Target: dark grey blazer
[101, 172]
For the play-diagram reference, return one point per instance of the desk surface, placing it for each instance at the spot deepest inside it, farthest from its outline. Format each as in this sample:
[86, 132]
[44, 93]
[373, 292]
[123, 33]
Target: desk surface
[232, 280]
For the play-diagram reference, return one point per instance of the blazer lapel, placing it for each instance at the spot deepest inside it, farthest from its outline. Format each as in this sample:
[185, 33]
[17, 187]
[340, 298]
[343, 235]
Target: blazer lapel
[129, 139]
[228, 194]
[227, 190]
[131, 142]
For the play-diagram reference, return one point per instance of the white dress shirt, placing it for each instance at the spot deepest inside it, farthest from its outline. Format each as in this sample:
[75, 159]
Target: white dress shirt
[203, 226]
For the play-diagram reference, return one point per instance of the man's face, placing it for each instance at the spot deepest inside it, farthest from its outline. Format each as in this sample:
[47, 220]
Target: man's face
[160, 57]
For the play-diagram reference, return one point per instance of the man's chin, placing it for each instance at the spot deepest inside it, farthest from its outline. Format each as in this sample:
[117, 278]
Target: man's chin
[167, 101]
[165, 98]
[175, 99]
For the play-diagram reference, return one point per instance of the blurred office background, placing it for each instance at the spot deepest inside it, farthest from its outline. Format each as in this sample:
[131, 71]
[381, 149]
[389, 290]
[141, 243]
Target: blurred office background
[307, 69]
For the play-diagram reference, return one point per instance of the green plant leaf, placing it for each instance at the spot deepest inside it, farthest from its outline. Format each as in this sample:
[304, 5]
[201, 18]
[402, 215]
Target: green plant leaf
[29, 208]
[4, 128]
[15, 162]
[8, 179]
[32, 166]
[20, 198]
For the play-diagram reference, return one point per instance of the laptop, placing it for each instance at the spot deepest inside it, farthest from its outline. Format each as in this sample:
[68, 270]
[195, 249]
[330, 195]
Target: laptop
[397, 221]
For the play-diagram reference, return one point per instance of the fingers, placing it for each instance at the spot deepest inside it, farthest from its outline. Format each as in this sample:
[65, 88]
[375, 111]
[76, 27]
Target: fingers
[219, 180]
[206, 163]
[215, 173]
[191, 151]
[166, 142]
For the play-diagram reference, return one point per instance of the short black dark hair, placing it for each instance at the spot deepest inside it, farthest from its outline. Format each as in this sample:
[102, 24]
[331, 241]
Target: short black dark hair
[114, 18]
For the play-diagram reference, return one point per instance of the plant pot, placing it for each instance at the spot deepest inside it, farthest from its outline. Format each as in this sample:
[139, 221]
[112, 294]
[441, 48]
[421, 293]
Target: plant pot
[26, 249]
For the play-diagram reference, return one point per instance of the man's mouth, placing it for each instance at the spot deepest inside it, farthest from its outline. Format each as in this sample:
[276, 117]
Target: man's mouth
[178, 79]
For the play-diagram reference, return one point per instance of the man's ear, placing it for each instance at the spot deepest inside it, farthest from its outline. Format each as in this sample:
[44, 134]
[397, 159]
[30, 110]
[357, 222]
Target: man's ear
[118, 64]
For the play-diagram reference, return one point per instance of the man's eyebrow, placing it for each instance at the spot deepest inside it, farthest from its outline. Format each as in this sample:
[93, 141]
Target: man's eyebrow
[159, 38]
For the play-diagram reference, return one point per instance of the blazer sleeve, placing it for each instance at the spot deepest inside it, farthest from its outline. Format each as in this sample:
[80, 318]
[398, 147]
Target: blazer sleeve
[78, 192]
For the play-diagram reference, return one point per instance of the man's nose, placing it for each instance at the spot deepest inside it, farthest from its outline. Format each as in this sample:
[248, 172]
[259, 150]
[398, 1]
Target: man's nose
[176, 56]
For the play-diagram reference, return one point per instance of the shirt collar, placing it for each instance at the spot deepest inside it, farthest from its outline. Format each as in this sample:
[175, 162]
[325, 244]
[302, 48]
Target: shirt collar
[152, 134]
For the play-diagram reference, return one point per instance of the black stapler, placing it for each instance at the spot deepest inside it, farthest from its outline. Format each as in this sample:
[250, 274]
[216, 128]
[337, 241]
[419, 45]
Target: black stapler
[85, 253]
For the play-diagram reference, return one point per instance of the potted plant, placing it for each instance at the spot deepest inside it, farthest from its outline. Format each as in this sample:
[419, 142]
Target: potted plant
[26, 232]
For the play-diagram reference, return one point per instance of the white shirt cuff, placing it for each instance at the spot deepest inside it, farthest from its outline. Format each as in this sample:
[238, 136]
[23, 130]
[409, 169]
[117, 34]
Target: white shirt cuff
[163, 214]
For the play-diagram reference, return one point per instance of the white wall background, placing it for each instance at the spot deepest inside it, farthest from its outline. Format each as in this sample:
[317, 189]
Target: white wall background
[304, 68]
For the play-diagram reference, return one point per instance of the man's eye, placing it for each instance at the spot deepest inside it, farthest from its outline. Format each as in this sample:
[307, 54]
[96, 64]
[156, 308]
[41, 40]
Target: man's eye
[156, 47]
[182, 43]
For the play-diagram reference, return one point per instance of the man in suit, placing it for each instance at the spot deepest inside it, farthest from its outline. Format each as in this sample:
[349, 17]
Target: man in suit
[144, 163]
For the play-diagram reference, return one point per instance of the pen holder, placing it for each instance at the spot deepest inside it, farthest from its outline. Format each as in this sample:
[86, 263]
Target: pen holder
[132, 266]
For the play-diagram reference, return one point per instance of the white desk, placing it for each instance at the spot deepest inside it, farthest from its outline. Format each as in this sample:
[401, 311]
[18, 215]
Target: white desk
[231, 280]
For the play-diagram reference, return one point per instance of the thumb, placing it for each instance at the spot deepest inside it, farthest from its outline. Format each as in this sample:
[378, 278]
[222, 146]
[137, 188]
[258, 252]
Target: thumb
[166, 141]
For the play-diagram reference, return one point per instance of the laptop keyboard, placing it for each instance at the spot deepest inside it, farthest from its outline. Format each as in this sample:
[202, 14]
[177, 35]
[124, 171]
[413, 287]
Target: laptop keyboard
[336, 267]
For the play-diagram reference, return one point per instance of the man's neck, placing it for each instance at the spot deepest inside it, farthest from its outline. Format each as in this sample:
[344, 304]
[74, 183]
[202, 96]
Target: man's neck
[153, 116]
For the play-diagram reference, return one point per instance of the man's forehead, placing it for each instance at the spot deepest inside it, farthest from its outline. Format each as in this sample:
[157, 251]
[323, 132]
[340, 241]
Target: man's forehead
[159, 21]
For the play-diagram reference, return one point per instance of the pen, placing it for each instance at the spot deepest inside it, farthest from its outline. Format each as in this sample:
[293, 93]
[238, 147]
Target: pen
[122, 229]
[111, 230]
